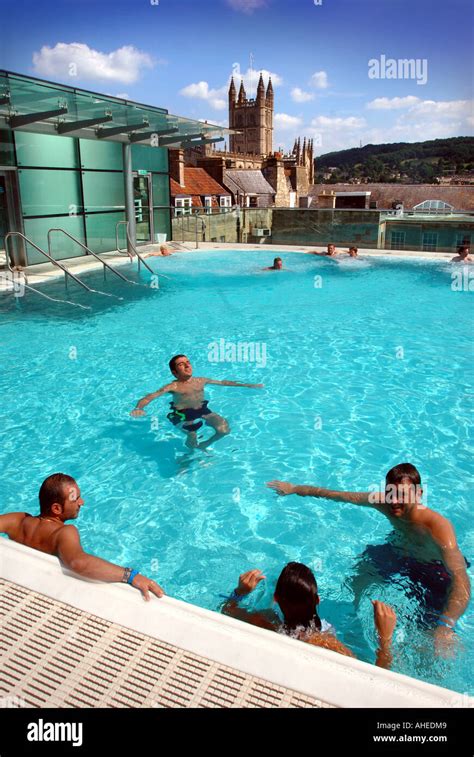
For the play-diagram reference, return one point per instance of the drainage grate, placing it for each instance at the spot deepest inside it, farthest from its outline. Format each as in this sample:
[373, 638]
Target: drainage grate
[54, 655]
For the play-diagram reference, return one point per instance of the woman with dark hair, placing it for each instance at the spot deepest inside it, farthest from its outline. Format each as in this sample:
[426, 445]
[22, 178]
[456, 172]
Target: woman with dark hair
[296, 593]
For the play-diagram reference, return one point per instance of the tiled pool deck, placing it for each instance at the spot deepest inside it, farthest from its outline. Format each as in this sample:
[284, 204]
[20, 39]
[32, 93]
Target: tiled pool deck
[54, 655]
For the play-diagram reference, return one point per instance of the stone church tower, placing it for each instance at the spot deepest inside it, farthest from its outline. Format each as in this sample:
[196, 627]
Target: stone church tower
[254, 118]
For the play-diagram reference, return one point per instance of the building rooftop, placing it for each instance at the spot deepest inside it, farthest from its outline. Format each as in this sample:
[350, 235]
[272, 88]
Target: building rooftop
[197, 182]
[249, 182]
[460, 197]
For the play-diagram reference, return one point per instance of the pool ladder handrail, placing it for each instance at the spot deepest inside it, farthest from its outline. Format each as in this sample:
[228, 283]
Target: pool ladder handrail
[94, 254]
[37, 291]
[140, 257]
[47, 255]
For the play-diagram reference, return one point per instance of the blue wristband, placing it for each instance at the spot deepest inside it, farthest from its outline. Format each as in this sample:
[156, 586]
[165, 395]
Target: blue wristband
[132, 576]
[234, 597]
[442, 623]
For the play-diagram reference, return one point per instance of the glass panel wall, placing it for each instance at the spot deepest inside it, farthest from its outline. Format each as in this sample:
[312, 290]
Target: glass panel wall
[45, 150]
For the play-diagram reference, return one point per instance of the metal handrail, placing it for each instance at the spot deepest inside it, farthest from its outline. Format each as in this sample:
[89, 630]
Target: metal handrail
[52, 299]
[141, 259]
[67, 272]
[203, 227]
[94, 254]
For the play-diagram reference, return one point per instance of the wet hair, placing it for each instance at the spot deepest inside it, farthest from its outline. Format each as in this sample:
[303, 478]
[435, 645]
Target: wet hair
[275, 260]
[331, 244]
[52, 490]
[173, 362]
[297, 594]
[464, 248]
[353, 248]
[399, 472]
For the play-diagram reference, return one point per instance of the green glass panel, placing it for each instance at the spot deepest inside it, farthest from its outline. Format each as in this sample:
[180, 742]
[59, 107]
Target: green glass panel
[61, 246]
[161, 220]
[45, 150]
[149, 158]
[100, 229]
[161, 189]
[103, 191]
[104, 155]
[49, 192]
[7, 150]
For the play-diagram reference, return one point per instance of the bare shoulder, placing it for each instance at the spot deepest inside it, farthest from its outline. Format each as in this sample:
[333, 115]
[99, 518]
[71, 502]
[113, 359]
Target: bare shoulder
[68, 533]
[329, 641]
[10, 521]
[441, 528]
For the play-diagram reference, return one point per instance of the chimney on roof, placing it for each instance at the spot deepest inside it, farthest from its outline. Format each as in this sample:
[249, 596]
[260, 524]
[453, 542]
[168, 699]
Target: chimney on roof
[176, 160]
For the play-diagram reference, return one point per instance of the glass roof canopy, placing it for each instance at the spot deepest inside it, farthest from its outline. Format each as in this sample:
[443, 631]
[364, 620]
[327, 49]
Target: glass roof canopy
[45, 107]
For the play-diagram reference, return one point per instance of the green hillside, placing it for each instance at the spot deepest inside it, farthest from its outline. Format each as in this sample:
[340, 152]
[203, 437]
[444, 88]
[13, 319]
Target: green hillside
[399, 162]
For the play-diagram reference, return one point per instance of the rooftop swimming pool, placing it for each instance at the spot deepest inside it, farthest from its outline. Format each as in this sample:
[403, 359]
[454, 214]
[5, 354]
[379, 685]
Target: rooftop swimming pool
[365, 363]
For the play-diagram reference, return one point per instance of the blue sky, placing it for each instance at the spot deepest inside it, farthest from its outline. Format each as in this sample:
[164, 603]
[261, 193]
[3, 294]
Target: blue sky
[179, 54]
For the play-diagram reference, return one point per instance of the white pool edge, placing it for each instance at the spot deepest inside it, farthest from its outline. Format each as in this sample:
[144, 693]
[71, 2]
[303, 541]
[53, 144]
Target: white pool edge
[319, 673]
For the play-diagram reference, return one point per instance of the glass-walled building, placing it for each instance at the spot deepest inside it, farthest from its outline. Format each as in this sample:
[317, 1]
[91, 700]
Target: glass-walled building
[84, 162]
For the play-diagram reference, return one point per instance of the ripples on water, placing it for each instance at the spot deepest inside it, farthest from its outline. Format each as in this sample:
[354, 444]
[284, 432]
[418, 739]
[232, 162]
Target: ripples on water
[369, 366]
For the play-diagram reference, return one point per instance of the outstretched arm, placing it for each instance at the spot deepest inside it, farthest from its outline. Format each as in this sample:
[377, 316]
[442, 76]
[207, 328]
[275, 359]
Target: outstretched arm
[138, 409]
[71, 554]
[232, 383]
[370, 499]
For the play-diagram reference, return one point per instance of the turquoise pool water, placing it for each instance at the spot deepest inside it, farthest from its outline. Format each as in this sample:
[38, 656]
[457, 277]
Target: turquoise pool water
[365, 367]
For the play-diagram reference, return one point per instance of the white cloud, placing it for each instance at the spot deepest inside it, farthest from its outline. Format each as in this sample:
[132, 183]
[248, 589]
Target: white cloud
[394, 103]
[251, 77]
[442, 109]
[246, 6]
[202, 91]
[217, 97]
[326, 122]
[78, 60]
[319, 80]
[284, 121]
[299, 96]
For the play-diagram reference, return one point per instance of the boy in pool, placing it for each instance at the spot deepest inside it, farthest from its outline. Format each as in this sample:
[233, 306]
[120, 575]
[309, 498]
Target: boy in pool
[189, 408]
[277, 265]
[423, 547]
[60, 500]
[296, 593]
[463, 255]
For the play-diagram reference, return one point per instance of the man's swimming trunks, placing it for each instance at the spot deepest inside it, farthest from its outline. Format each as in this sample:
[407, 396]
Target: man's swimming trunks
[429, 583]
[188, 415]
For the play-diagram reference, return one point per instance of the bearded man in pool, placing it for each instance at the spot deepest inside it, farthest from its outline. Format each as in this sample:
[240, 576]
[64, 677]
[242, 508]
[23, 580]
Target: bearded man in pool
[422, 548]
[60, 500]
[188, 406]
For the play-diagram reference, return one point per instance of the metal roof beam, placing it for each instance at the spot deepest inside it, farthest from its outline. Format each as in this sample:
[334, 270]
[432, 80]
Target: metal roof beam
[176, 140]
[31, 118]
[202, 142]
[104, 133]
[67, 126]
[150, 134]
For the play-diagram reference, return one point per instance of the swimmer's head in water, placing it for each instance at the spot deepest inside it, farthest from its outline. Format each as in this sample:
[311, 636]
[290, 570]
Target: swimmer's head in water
[464, 251]
[181, 367]
[278, 263]
[297, 594]
[59, 496]
[331, 249]
[353, 251]
[403, 491]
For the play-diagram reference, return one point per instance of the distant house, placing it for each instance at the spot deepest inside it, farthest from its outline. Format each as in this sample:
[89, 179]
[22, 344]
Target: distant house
[193, 188]
[422, 197]
[249, 188]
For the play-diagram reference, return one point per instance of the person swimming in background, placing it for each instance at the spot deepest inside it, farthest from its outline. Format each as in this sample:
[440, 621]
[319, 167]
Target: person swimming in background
[277, 266]
[423, 547]
[163, 253]
[189, 409]
[353, 252]
[60, 500]
[331, 251]
[296, 593]
[463, 255]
